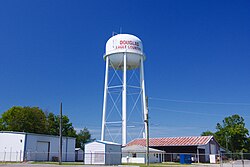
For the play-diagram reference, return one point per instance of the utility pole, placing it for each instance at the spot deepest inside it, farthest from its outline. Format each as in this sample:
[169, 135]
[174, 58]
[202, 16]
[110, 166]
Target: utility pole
[242, 158]
[226, 136]
[60, 138]
[147, 133]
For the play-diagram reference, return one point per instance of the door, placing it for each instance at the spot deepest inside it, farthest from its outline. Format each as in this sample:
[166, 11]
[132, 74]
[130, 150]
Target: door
[42, 151]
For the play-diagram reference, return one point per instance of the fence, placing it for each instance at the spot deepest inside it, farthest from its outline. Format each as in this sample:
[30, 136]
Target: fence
[220, 160]
[11, 156]
[235, 159]
[36, 156]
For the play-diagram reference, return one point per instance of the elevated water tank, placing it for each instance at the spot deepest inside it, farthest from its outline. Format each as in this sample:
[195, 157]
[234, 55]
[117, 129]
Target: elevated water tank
[121, 44]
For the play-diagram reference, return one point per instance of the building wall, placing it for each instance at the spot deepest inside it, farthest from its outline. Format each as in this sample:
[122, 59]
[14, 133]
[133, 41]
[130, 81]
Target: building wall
[141, 158]
[50, 149]
[79, 154]
[102, 153]
[154, 158]
[12, 146]
[70, 149]
[133, 157]
[113, 154]
[94, 153]
[211, 148]
[216, 149]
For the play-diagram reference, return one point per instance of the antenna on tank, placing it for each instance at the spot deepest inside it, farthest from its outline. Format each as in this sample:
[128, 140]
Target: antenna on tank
[114, 33]
[120, 30]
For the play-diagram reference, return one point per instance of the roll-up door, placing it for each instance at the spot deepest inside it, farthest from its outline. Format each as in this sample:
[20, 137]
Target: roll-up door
[42, 151]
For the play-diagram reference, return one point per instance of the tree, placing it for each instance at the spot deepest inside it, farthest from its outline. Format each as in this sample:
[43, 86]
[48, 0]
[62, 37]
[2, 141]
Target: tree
[232, 131]
[232, 134]
[67, 127]
[1, 124]
[53, 125]
[24, 119]
[248, 145]
[207, 133]
[83, 137]
[34, 120]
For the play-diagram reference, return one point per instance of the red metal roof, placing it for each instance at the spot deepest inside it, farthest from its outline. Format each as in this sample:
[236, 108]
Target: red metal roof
[173, 141]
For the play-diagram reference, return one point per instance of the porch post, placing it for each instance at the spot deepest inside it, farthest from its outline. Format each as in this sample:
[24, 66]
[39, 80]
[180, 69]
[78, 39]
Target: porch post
[198, 157]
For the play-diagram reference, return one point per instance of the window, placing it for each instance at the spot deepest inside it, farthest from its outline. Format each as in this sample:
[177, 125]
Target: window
[134, 155]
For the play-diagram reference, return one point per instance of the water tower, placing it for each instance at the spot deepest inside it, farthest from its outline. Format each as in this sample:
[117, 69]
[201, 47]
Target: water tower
[124, 89]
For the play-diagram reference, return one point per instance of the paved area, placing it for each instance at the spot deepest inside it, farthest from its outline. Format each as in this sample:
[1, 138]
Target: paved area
[43, 165]
[48, 165]
[238, 163]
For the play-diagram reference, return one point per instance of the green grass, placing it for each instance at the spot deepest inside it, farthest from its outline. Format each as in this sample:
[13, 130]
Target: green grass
[56, 163]
[164, 164]
[1, 162]
[167, 164]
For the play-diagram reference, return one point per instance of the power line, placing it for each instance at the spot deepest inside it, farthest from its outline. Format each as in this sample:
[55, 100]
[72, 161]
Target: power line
[198, 102]
[187, 112]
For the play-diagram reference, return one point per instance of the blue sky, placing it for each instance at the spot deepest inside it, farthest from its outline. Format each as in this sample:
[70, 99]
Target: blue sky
[197, 51]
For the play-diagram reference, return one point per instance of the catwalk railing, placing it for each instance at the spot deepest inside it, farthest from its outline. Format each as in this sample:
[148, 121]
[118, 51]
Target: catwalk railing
[109, 158]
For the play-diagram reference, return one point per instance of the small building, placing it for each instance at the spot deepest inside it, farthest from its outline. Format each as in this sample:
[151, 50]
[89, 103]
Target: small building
[103, 153]
[21, 146]
[199, 147]
[137, 154]
[79, 154]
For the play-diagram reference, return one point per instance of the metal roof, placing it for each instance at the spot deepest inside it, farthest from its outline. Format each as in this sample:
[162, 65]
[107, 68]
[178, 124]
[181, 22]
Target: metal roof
[173, 141]
[103, 142]
[34, 134]
[139, 149]
[107, 142]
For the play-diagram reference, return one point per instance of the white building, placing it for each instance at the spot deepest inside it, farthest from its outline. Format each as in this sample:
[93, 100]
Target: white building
[137, 154]
[103, 153]
[21, 146]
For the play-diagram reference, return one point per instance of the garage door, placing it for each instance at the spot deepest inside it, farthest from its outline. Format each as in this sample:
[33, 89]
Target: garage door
[42, 151]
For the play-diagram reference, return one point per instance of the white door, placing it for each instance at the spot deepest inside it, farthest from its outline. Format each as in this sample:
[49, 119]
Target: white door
[42, 151]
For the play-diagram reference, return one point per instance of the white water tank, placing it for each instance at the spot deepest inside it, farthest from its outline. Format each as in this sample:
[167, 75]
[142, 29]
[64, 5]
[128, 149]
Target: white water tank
[119, 44]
